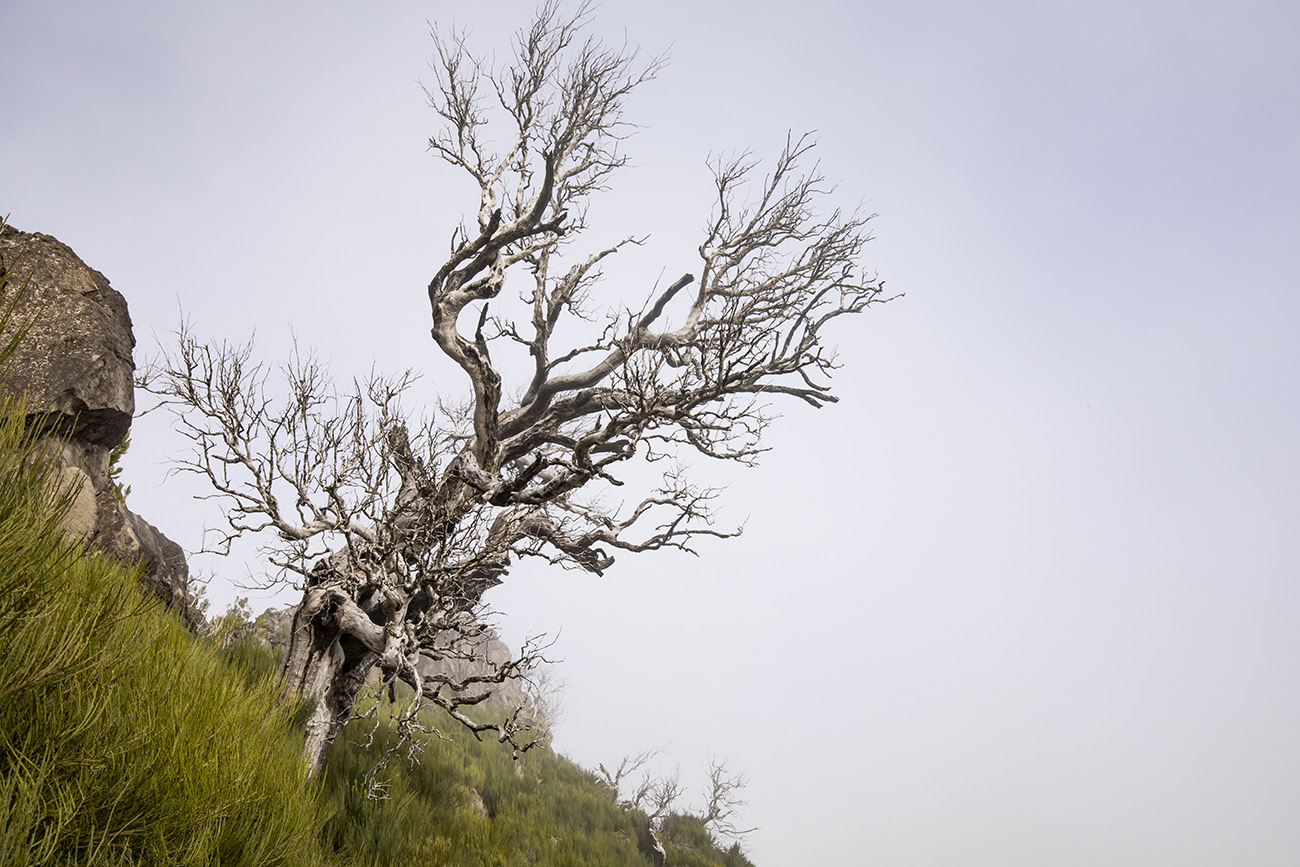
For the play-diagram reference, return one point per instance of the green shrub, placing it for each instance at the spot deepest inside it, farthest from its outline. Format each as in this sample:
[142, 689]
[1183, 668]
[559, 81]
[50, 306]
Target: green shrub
[123, 740]
[540, 809]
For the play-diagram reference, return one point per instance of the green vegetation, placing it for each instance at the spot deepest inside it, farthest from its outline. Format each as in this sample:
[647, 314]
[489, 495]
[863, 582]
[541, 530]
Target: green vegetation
[689, 844]
[487, 809]
[115, 469]
[467, 803]
[125, 740]
[122, 739]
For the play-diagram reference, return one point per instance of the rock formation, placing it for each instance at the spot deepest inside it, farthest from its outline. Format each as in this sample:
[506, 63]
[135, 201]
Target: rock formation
[76, 368]
[272, 626]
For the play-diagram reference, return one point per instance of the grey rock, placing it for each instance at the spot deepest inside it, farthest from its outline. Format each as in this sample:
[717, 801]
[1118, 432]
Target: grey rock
[76, 369]
[75, 364]
[480, 659]
[272, 626]
[82, 517]
[128, 537]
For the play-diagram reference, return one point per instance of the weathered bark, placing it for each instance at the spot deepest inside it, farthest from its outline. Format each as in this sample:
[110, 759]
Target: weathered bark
[326, 665]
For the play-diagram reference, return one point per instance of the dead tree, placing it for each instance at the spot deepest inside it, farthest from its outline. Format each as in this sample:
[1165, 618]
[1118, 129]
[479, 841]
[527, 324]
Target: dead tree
[652, 795]
[394, 529]
[652, 798]
[723, 800]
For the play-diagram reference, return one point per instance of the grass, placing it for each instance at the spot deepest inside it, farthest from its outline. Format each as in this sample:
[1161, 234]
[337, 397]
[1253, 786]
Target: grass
[125, 740]
[541, 809]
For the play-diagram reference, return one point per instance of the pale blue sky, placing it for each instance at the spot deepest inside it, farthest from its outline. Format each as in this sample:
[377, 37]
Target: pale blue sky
[1029, 595]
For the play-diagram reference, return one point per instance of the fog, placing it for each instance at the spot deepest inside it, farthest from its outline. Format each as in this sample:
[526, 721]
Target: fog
[1027, 595]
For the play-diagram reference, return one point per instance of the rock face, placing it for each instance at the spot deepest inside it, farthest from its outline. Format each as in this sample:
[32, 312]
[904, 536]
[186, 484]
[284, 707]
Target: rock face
[76, 368]
[272, 626]
[75, 364]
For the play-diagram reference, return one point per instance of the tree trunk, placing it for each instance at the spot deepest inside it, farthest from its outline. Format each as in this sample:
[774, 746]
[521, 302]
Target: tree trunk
[326, 666]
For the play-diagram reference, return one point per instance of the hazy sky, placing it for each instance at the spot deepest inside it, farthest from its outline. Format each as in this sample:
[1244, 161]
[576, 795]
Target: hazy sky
[1029, 594]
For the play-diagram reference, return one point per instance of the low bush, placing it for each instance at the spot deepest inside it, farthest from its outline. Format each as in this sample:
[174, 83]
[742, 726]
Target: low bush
[124, 740]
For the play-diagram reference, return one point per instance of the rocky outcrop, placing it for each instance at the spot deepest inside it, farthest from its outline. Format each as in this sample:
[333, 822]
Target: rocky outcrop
[75, 364]
[272, 626]
[76, 369]
[479, 659]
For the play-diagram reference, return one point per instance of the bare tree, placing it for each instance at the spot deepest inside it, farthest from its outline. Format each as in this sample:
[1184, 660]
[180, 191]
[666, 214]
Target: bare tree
[655, 796]
[723, 800]
[628, 766]
[652, 795]
[395, 529]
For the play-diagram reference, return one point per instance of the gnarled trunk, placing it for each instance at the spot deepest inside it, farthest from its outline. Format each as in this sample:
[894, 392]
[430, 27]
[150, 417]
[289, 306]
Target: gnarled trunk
[326, 665]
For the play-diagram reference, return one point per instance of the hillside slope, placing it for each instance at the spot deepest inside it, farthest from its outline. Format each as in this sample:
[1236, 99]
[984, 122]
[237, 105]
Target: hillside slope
[125, 739]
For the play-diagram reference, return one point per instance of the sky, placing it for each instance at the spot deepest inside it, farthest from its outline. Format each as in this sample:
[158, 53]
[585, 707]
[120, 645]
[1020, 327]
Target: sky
[1027, 595]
